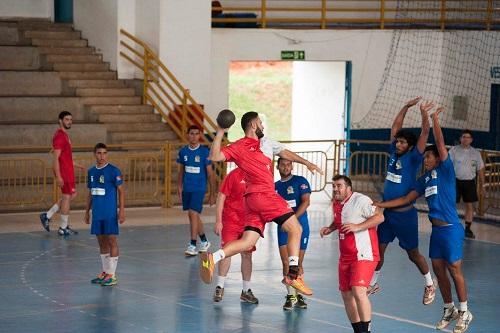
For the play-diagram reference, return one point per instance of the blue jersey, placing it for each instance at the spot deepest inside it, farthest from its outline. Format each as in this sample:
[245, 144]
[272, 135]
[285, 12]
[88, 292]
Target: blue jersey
[438, 186]
[292, 191]
[195, 163]
[103, 183]
[401, 172]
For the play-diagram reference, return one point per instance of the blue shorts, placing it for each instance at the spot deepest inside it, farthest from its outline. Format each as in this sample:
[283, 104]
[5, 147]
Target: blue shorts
[403, 225]
[447, 242]
[193, 201]
[104, 227]
[304, 238]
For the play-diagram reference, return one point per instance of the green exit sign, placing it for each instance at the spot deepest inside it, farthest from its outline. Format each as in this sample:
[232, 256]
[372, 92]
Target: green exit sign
[293, 55]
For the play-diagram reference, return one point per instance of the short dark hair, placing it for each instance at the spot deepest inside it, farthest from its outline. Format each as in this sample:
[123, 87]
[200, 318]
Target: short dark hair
[467, 131]
[64, 114]
[100, 145]
[282, 159]
[247, 119]
[433, 149]
[193, 127]
[408, 135]
[346, 179]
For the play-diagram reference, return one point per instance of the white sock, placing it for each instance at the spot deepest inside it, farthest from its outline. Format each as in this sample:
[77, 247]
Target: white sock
[54, 209]
[64, 221]
[462, 306]
[113, 262]
[218, 255]
[449, 305]
[290, 290]
[293, 261]
[220, 281]
[428, 279]
[105, 262]
[374, 278]
[246, 285]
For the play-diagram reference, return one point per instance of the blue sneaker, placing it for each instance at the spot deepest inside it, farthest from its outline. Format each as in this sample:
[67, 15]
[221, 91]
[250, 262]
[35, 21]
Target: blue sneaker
[45, 221]
[99, 279]
[109, 280]
[67, 232]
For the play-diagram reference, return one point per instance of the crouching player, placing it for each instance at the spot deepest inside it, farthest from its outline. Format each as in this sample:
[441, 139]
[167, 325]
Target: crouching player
[105, 182]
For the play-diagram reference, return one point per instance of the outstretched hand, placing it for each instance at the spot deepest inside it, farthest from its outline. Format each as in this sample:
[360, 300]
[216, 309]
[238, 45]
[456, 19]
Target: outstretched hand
[314, 168]
[413, 102]
[438, 111]
[426, 106]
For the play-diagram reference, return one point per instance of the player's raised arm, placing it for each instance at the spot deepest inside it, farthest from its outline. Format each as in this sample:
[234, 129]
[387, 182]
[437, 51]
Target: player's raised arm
[216, 154]
[291, 156]
[398, 121]
[438, 134]
[401, 201]
[426, 126]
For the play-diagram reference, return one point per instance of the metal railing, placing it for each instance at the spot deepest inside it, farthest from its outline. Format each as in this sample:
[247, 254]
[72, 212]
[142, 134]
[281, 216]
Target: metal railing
[324, 14]
[149, 171]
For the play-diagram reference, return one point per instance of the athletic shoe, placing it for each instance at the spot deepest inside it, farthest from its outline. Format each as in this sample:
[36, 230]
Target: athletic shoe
[290, 302]
[464, 319]
[98, 280]
[449, 315]
[301, 302]
[469, 233]
[298, 284]
[207, 267]
[45, 221]
[373, 289]
[219, 293]
[204, 246]
[67, 232]
[190, 250]
[248, 297]
[429, 294]
[109, 280]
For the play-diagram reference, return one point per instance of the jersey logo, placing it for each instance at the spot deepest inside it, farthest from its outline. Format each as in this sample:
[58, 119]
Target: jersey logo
[289, 190]
[427, 179]
[118, 177]
[268, 167]
[303, 186]
[197, 158]
[252, 149]
[101, 179]
[434, 174]
[399, 165]
[242, 181]
[341, 235]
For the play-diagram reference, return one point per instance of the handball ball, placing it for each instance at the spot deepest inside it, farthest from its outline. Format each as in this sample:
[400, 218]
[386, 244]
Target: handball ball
[226, 118]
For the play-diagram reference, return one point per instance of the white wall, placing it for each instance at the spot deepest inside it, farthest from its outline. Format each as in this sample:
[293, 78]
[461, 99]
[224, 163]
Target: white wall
[98, 21]
[367, 50]
[27, 8]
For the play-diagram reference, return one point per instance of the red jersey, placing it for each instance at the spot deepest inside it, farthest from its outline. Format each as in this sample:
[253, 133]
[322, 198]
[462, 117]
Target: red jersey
[61, 141]
[257, 167]
[361, 245]
[233, 187]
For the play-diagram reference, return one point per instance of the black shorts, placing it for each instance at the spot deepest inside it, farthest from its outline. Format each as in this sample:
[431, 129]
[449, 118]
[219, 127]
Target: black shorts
[466, 190]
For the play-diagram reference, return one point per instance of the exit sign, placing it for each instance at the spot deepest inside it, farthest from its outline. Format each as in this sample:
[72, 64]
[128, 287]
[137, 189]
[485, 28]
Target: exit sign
[494, 72]
[293, 55]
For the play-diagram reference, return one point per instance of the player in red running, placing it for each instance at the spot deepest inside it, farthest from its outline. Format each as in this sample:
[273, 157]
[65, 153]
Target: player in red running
[263, 204]
[64, 175]
[355, 217]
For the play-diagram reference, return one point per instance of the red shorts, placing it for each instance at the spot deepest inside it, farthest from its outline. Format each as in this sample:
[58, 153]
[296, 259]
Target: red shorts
[68, 188]
[231, 231]
[263, 208]
[356, 273]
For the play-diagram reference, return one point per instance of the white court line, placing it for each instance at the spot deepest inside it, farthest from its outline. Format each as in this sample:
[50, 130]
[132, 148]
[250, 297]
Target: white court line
[383, 315]
[330, 323]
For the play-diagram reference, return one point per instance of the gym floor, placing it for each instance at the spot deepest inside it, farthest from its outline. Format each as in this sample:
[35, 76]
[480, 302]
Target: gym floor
[45, 281]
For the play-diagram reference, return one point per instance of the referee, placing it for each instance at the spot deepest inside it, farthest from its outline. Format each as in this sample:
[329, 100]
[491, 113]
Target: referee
[468, 164]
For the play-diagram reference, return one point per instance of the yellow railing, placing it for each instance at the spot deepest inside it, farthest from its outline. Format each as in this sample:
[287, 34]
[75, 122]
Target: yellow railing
[150, 172]
[324, 14]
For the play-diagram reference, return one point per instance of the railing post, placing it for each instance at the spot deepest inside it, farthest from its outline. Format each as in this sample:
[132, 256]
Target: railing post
[323, 14]
[481, 205]
[443, 14]
[167, 177]
[145, 69]
[184, 111]
[263, 13]
[489, 13]
[382, 14]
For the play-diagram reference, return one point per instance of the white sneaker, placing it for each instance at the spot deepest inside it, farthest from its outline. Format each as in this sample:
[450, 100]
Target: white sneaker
[464, 319]
[190, 250]
[449, 315]
[204, 246]
[429, 294]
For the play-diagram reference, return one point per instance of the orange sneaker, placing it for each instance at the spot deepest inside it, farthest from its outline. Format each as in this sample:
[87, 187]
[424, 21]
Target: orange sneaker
[298, 284]
[207, 267]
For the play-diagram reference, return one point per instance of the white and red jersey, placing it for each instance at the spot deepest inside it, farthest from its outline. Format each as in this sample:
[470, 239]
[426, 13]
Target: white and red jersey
[361, 245]
[257, 167]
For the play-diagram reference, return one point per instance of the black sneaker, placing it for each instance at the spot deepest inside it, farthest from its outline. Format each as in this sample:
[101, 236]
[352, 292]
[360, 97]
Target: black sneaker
[248, 297]
[301, 302]
[45, 221]
[469, 233]
[290, 302]
[67, 232]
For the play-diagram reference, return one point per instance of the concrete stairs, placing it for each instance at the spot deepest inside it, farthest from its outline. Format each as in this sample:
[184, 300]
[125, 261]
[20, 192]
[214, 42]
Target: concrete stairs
[48, 67]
